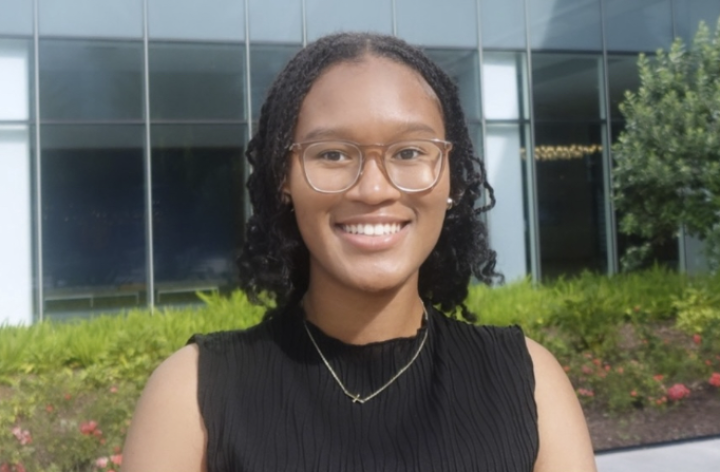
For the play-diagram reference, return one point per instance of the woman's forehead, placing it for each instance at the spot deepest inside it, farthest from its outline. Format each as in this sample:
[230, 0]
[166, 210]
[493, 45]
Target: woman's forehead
[371, 92]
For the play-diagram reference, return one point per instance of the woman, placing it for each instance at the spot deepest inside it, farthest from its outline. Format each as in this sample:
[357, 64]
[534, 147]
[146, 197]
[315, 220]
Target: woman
[363, 188]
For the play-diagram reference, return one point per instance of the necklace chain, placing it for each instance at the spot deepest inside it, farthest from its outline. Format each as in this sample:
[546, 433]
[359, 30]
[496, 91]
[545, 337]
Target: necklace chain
[356, 397]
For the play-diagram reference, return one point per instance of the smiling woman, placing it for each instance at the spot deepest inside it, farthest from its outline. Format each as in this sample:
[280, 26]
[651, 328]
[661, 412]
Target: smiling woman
[365, 233]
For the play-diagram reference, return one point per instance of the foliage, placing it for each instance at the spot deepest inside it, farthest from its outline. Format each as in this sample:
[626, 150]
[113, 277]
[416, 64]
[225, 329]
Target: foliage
[667, 160]
[67, 390]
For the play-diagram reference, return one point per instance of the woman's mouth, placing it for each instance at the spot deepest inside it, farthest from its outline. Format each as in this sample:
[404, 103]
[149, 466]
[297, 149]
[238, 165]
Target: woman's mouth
[373, 229]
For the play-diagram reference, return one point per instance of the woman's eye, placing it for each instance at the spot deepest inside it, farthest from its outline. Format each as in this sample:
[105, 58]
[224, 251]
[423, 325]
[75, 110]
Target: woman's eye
[333, 156]
[408, 154]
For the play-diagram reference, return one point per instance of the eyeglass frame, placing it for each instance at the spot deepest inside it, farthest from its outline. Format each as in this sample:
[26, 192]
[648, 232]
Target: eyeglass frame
[300, 147]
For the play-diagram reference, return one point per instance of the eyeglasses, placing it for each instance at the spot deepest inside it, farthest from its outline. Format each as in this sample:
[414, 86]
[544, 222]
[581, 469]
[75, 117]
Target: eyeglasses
[335, 166]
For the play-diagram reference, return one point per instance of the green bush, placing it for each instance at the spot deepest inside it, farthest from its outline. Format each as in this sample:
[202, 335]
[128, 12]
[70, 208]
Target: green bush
[67, 390]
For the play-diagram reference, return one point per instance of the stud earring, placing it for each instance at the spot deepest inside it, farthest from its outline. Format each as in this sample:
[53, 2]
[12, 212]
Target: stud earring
[450, 203]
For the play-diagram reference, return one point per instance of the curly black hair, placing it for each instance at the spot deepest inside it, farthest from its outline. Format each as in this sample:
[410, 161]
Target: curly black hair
[275, 261]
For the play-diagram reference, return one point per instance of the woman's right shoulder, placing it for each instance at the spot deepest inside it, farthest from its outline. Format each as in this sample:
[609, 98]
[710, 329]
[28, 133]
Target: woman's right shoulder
[167, 430]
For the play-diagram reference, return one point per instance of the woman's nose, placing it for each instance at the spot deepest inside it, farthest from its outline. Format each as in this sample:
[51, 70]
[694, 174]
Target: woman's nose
[373, 186]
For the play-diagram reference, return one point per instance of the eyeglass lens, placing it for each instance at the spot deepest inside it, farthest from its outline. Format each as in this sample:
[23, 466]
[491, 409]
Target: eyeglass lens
[334, 166]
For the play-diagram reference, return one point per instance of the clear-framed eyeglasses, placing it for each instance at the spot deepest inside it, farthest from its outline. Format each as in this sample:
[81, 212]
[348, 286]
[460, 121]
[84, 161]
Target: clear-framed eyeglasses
[335, 166]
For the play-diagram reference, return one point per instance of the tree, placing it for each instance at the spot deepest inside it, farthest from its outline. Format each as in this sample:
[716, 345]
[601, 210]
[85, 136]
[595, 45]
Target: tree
[667, 160]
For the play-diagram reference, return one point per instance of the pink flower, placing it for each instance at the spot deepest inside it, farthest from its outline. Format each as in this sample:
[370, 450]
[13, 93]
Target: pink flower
[587, 369]
[633, 393]
[658, 377]
[678, 392]
[22, 435]
[116, 459]
[583, 392]
[113, 389]
[619, 370]
[697, 339]
[4, 467]
[102, 462]
[88, 427]
[714, 379]
[19, 467]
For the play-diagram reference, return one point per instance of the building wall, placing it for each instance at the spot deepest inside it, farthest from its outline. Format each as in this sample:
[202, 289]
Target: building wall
[123, 125]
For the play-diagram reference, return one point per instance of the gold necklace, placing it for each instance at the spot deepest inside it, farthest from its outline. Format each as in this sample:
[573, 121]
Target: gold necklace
[356, 397]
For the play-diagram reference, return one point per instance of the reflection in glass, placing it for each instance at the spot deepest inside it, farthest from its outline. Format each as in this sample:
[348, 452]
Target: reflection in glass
[640, 25]
[91, 80]
[368, 15]
[565, 24]
[506, 222]
[16, 18]
[566, 86]
[689, 14]
[198, 220]
[622, 76]
[503, 24]
[93, 217]
[462, 66]
[266, 61]
[267, 26]
[16, 217]
[570, 192]
[503, 85]
[197, 81]
[16, 66]
[422, 22]
[219, 20]
[91, 18]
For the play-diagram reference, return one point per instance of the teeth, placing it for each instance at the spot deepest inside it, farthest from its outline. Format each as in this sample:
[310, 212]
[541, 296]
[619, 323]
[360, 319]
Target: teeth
[373, 230]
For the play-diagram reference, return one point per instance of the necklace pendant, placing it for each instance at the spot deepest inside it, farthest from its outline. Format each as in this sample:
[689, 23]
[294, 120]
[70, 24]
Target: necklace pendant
[357, 399]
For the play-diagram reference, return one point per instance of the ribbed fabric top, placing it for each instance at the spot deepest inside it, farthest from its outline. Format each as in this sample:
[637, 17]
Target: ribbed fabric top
[270, 404]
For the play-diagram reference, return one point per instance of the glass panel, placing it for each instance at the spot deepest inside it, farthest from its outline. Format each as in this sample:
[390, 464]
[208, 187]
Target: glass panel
[566, 86]
[197, 81]
[82, 18]
[198, 220]
[16, 17]
[565, 24]
[622, 76]
[93, 218]
[503, 24]
[329, 16]
[16, 65]
[502, 85]
[423, 21]
[462, 66]
[91, 80]
[267, 26]
[571, 197]
[191, 19]
[16, 235]
[640, 25]
[506, 222]
[266, 61]
[689, 14]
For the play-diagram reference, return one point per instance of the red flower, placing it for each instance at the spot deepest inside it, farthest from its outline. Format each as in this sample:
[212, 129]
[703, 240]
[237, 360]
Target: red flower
[697, 339]
[4, 467]
[633, 393]
[583, 392]
[678, 392]
[597, 362]
[658, 377]
[116, 459]
[49, 408]
[714, 379]
[19, 467]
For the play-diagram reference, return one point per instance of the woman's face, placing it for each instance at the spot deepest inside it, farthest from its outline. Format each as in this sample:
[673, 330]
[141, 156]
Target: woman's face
[373, 101]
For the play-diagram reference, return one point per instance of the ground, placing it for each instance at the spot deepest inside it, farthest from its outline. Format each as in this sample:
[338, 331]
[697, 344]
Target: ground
[696, 416]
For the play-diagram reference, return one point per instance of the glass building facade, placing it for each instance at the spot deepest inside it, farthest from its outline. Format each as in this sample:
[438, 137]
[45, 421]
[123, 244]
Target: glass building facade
[123, 125]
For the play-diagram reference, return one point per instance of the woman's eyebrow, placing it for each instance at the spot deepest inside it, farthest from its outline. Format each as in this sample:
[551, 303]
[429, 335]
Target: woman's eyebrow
[323, 132]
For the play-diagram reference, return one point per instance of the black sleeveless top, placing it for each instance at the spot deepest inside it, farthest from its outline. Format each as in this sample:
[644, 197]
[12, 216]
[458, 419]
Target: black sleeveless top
[270, 404]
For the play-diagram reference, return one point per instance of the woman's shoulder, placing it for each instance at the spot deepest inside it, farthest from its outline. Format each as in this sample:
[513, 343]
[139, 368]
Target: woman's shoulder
[219, 342]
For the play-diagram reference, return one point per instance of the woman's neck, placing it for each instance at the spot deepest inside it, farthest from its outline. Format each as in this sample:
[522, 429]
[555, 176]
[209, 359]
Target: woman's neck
[357, 317]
